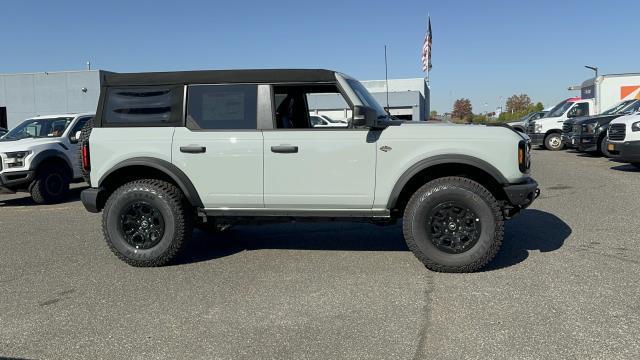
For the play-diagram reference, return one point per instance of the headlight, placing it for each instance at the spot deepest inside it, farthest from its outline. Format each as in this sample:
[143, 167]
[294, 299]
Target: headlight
[635, 126]
[15, 159]
[589, 128]
[538, 128]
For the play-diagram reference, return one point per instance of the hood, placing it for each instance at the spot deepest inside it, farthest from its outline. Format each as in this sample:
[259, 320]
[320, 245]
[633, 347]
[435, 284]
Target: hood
[600, 119]
[626, 119]
[424, 130]
[23, 144]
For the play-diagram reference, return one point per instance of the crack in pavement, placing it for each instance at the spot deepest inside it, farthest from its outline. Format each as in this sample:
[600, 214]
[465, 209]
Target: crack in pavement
[426, 317]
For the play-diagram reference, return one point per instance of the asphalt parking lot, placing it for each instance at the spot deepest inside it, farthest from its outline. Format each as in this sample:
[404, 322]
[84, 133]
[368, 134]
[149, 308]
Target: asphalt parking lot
[564, 285]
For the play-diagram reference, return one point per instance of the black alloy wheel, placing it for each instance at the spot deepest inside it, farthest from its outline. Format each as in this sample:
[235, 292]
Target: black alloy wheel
[453, 228]
[141, 225]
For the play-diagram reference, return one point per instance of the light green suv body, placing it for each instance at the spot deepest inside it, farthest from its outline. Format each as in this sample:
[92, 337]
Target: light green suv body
[238, 146]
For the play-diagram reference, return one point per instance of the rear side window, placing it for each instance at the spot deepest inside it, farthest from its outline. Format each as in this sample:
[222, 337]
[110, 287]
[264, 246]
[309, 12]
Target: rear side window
[151, 106]
[222, 107]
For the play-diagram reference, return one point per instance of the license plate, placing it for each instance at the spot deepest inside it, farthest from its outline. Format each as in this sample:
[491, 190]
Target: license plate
[611, 147]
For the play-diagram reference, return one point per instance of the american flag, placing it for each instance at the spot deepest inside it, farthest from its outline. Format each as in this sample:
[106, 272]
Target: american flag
[426, 50]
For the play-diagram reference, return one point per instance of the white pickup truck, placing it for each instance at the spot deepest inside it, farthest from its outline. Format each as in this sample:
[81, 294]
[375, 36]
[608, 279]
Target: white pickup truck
[40, 156]
[547, 131]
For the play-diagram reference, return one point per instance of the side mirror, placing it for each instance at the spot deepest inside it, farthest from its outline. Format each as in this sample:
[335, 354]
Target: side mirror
[75, 138]
[364, 116]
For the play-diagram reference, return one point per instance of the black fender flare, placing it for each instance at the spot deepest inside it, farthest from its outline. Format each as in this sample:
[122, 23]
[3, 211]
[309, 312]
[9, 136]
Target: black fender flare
[439, 160]
[177, 175]
[48, 154]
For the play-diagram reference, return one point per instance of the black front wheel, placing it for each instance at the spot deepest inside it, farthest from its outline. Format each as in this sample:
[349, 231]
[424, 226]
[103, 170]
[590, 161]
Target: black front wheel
[147, 222]
[453, 224]
[50, 186]
[603, 147]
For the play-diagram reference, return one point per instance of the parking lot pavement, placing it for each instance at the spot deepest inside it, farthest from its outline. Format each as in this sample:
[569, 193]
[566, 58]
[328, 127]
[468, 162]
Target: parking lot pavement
[564, 285]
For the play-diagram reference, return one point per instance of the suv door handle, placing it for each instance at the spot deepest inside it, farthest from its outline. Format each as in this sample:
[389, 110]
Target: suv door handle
[284, 149]
[193, 149]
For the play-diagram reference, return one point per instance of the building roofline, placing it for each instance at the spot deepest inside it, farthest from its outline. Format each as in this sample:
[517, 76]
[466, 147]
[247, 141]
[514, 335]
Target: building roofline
[50, 72]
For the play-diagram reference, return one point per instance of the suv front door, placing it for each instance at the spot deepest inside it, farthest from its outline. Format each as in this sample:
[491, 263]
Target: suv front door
[220, 149]
[321, 168]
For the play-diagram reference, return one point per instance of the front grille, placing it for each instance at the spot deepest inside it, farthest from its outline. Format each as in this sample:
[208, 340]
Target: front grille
[577, 128]
[566, 128]
[617, 132]
[531, 128]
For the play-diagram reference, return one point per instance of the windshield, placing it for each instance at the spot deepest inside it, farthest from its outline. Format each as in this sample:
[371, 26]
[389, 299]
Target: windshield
[618, 107]
[632, 107]
[559, 109]
[36, 128]
[366, 98]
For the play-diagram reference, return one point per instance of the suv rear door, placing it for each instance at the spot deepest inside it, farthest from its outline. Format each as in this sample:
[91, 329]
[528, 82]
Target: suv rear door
[220, 149]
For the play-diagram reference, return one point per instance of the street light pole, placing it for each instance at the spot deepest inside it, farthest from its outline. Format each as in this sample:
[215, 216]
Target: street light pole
[594, 68]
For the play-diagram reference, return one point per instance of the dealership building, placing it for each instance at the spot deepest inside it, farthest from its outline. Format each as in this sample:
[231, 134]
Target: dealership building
[30, 94]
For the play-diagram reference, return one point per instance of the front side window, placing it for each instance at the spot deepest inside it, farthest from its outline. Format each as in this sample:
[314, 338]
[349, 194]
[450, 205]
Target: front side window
[79, 125]
[309, 106]
[222, 107]
[152, 105]
[38, 128]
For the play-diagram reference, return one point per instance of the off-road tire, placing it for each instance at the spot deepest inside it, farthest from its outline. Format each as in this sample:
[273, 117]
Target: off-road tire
[602, 147]
[50, 186]
[169, 202]
[85, 132]
[462, 190]
[553, 142]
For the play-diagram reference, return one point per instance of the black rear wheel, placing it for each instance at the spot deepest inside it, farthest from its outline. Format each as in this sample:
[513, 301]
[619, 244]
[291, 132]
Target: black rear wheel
[147, 222]
[453, 224]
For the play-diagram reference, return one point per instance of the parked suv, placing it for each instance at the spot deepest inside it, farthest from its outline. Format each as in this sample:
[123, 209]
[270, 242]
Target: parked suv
[41, 156]
[624, 139]
[590, 134]
[172, 150]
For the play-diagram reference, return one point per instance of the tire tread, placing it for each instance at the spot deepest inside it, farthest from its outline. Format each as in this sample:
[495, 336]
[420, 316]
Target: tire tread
[467, 184]
[176, 200]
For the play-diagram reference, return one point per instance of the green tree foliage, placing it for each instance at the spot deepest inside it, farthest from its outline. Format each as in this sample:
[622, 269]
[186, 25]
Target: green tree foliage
[462, 109]
[519, 106]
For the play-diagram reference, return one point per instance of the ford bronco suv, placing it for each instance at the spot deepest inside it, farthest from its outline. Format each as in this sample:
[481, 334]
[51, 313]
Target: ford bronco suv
[170, 151]
[41, 156]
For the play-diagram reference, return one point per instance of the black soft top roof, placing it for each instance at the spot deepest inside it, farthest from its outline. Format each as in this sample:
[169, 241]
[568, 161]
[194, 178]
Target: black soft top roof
[217, 76]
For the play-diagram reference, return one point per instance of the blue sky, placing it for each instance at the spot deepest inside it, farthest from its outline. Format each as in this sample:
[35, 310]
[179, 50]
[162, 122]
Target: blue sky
[481, 49]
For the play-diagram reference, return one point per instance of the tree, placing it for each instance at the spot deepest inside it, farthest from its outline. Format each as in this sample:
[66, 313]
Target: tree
[433, 113]
[538, 107]
[462, 109]
[518, 103]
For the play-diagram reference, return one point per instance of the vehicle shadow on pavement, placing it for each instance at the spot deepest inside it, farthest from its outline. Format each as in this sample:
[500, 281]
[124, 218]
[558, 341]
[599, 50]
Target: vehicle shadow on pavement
[298, 236]
[530, 230]
[24, 199]
[625, 168]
